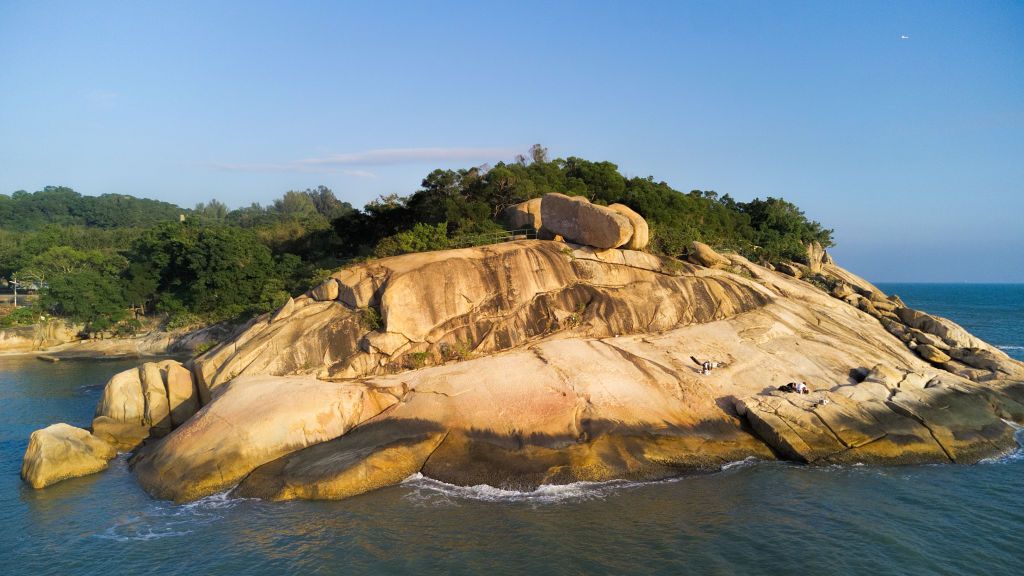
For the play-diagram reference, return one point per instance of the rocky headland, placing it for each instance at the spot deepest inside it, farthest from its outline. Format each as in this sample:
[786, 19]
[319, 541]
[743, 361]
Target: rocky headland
[570, 358]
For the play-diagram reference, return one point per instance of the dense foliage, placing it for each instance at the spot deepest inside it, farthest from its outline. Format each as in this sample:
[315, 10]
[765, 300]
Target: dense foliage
[65, 207]
[104, 261]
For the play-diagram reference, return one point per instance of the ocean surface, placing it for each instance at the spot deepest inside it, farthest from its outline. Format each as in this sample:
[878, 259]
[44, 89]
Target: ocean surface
[750, 518]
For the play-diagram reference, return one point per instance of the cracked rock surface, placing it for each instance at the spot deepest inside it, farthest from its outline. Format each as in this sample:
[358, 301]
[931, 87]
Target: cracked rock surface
[538, 362]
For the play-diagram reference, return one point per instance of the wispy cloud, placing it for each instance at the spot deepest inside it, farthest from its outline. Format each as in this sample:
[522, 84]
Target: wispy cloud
[380, 157]
[359, 173]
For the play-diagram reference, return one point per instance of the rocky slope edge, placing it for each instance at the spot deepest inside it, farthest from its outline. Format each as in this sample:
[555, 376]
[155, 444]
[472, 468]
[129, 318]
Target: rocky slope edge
[536, 362]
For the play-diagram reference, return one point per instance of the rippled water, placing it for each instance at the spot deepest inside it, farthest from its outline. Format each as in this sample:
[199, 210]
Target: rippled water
[751, 518]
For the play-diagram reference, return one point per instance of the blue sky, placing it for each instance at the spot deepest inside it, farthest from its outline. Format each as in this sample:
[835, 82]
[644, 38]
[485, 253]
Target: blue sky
[912, 149]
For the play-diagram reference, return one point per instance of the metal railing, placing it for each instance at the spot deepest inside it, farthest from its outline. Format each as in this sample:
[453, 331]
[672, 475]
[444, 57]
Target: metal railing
[494, 238]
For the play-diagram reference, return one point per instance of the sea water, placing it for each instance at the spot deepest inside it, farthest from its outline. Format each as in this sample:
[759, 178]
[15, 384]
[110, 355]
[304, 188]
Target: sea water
[750, 518]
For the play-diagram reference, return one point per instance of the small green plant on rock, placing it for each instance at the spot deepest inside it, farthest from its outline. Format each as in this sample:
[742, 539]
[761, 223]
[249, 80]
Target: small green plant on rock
[457, 350]
[370, 319]
[416, 360]
[576, 318]
[203, 347]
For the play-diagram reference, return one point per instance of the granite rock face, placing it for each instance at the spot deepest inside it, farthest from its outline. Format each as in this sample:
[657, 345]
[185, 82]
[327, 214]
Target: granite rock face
[537, 362]
[436, 307]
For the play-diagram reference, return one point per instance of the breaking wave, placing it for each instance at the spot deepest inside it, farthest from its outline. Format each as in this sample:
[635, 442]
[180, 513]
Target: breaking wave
[164, 519]
[426, 490]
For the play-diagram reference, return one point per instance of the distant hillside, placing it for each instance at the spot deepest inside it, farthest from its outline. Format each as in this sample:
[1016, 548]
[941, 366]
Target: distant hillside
[63, 206]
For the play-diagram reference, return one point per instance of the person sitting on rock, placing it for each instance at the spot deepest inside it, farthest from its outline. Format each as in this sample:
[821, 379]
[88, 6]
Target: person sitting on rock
[706, 366]
[798, 387]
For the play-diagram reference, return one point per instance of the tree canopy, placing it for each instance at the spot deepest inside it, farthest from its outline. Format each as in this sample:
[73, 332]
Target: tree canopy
[97, 259]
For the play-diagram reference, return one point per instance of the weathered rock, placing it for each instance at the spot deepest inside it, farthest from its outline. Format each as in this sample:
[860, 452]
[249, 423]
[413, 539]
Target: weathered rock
[790, 269]
[964, 424]
[842, 290]
[385, 342]
[925, 338]
[250, 422]
[703, 255]
[845, 428]
[477, 301]
[950, 332]
[999, 364]
[524, 215]
[931, 353]
[641, 232]
[154, 391]
[325, 292]
[816, 257]
[59, 452]
[284, 311]
[580, 222]
[122, 398]
[182, 396]
[366, 459]
[558, 363]
[124, 436]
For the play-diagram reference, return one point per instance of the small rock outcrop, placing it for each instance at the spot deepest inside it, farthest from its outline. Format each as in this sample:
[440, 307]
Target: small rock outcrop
[703, 255]
[61, 451]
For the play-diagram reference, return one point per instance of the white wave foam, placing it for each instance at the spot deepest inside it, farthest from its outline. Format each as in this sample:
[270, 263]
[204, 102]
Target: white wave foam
[164, 520]
[1014, 456]
[430, 491]
[740, 464]
[1009, 347]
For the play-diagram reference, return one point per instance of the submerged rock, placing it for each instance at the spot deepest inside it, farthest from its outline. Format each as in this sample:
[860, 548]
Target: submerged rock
[59, 452]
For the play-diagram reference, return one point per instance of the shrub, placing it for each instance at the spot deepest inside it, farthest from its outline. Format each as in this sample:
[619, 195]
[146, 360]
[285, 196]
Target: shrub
[370, 319]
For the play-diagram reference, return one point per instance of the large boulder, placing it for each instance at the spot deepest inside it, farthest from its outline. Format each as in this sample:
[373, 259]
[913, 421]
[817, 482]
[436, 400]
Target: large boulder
[182, 396]
[704, 255]
[144, 402]
[524, 215]
[368, 458]
[122, 399]
[641, 233]
[154, 391]
[250, 422]
[580, 222]
[61, 451]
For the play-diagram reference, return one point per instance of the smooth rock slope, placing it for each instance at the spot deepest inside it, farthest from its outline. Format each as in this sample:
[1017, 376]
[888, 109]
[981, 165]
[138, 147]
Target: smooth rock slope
[537, 362]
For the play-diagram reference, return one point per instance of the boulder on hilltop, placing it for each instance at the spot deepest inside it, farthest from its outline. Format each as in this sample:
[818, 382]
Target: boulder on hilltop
[580, 222]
